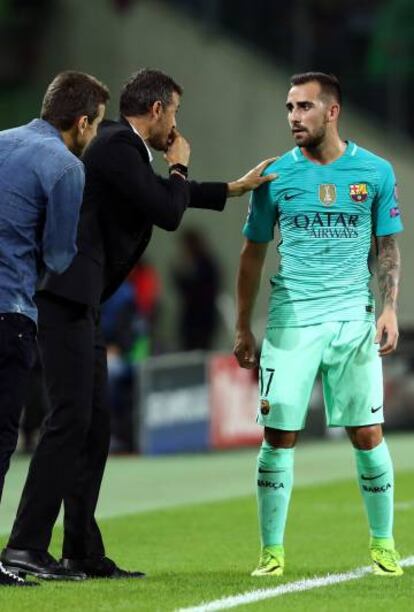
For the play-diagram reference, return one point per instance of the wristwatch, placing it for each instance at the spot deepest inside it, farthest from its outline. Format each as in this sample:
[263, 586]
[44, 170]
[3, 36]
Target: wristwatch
[180, 168]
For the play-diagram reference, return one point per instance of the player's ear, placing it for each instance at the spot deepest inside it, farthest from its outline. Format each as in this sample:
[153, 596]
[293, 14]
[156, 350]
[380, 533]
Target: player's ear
[333, 111]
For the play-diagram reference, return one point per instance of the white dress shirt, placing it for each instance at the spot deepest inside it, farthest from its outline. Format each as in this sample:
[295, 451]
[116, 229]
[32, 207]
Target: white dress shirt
[146, 146]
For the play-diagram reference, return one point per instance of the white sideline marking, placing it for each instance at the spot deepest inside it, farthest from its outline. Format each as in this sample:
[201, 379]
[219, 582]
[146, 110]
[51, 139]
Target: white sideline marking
[290, 587]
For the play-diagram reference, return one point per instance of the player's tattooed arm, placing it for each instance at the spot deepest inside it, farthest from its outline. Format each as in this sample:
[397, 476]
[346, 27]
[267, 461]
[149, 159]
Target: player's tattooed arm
[388, 270]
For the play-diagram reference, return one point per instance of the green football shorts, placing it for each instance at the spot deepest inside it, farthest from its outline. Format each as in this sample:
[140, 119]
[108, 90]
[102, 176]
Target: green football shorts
[351, 369]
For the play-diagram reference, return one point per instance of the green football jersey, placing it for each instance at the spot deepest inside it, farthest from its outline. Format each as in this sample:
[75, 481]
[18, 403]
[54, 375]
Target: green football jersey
[326, 216]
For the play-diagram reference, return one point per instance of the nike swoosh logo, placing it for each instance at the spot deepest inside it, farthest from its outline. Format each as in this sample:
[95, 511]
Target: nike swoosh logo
[373, 410]
[262, 471]
[289, 196]
[272, 569]
[372, 477]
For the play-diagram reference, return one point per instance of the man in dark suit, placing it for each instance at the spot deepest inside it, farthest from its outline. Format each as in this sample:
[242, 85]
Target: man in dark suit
[123, 199]
[41, 192]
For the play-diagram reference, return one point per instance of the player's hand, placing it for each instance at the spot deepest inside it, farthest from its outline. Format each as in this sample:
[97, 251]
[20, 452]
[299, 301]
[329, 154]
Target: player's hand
[245, 349]
[251, 180]
[178, 150]
[387, 332]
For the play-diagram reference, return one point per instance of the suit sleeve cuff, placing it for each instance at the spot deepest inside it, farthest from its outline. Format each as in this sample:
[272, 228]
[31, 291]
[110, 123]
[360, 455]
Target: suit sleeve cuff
[211, 196]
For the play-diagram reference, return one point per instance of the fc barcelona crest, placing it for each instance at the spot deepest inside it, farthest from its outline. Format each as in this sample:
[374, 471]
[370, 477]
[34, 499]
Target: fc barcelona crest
[327, 194]
[358, 192]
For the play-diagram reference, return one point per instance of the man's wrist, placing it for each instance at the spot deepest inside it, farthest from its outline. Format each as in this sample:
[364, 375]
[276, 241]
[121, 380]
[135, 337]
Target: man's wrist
[390, 307]
[180, 169]
[235, 188]
[242, 328]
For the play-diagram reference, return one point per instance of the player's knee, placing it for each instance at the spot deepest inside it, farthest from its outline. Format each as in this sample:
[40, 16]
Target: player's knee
[365, 438]
[279, 438]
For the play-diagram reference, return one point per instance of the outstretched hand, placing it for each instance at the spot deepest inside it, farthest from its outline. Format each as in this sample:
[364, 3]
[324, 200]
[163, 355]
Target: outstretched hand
[252, 179]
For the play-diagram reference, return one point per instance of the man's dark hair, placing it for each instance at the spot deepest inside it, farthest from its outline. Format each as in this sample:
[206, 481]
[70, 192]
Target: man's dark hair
[144, 88]
[328, 82]
[70, 95]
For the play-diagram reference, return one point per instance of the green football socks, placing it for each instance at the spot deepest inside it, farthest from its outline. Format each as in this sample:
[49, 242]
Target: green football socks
[274, 487]
[376, 481]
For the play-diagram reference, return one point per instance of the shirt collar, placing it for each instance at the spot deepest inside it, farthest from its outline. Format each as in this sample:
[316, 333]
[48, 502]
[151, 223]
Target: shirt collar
[150, 155]
[44, 126]
[350, 149]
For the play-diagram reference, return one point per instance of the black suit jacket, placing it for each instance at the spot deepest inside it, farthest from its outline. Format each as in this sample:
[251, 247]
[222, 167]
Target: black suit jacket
[123, 199]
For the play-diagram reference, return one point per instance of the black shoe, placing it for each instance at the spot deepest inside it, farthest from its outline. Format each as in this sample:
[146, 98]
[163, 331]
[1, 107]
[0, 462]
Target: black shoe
[100, 567]
[37, 563]
[9, 579]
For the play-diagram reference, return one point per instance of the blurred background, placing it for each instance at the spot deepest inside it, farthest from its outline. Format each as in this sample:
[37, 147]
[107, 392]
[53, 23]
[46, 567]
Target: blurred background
[174, 385]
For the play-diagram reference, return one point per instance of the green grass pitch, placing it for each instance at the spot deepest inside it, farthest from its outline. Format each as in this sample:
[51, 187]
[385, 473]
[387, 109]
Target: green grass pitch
[202, 551]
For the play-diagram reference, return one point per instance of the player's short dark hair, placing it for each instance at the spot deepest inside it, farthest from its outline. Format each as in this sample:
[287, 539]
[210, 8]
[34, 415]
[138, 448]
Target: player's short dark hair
[328, 82]
[144, 88]
[70, 95]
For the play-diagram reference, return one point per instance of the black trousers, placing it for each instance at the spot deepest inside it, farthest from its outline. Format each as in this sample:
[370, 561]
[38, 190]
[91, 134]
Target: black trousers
[69, 461]
[17, 344]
